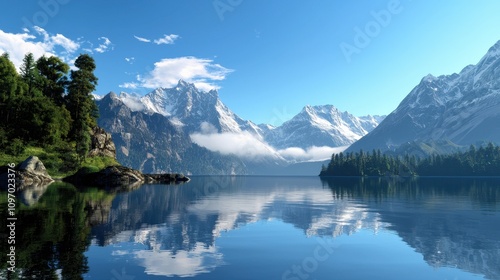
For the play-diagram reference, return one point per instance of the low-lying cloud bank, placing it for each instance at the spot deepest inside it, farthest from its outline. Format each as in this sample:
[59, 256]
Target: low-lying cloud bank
[240, 144]
[312, 153]
[247, 145]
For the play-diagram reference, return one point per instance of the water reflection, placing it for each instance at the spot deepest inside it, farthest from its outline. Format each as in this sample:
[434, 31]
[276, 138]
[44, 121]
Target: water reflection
[51, 235]
[452, 222]
[173, 230]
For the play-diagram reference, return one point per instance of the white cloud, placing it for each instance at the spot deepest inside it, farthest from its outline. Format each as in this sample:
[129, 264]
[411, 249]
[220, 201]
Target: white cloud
[167, 39]
[69, 45]
[142, 39]
[104, 46]
[310, 154]
[247, 145]
[17, 45]
[53, 42]
[182, 263]
[132, 101]
[240, 144]
[129, 85]
[41, 42]
[130, 59]
[201, 72]
[207, 128]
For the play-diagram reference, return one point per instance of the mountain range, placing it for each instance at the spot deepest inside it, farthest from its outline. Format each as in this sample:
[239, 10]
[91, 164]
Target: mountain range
[446, 111]
[169, 128]
[184, 129]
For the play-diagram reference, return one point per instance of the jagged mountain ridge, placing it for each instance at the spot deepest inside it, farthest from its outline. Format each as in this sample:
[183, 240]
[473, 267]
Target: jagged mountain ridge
[321, 126]
[463, 108]
[154, 133]
[190, 108]
[151, 143]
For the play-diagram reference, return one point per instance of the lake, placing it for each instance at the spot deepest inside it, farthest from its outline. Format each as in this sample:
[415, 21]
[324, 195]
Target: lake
[292, 228]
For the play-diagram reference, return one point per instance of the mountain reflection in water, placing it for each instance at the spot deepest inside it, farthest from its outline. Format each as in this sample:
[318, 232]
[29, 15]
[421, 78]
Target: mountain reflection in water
[160, 230]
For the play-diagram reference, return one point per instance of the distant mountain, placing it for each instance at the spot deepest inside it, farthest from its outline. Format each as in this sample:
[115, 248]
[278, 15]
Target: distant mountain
[462, 108]
[191, 107]
[164, 130]
[321, 126]
[151, 143]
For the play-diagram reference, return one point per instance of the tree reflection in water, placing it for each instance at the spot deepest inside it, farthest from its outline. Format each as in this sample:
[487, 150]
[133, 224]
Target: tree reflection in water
[53, 234]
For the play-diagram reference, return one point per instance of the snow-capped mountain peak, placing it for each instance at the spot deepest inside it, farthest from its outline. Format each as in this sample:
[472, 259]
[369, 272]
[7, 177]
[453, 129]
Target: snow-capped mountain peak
[429, 78]
[493, 52]
[323, 125]
[192, 109]
[463, 108]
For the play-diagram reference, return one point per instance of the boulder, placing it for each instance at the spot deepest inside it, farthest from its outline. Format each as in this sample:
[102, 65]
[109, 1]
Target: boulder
[102, 145]
[109, 176]
[30, 173]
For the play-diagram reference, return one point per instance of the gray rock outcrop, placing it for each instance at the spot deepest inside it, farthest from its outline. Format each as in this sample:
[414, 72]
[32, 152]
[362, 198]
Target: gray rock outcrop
[30, 173]
[119, 176]
[102, 144]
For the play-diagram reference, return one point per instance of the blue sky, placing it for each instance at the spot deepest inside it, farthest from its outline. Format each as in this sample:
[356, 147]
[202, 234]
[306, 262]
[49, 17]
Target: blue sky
[267, 58]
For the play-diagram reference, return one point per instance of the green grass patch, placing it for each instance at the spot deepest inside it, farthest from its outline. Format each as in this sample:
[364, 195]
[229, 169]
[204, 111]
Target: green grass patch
[98, 163]
[60, 162]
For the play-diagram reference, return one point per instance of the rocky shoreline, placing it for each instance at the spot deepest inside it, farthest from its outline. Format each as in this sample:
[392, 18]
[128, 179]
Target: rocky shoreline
[121, 176]
[32, 173]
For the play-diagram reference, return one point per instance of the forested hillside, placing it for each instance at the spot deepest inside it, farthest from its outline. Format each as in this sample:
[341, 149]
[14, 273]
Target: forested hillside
[48, 110]
[482, 161]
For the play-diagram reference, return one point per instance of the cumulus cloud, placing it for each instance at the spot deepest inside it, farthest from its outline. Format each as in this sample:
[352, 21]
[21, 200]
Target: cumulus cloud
[130, 59]
[247, 145]
[167, 39]
[104, 46]
[41, 42]
[17, 45]
[201, 72]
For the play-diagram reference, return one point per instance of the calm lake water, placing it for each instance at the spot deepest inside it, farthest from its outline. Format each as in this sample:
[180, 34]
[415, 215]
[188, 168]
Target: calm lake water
[264, 228]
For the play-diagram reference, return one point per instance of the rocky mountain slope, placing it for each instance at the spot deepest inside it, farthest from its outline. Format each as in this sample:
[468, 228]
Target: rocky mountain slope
[321, 126]
[151, 143]
[154, 133]
[463, 108]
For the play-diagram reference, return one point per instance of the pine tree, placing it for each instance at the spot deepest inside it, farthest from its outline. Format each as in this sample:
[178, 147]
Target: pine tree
[8, 79]
[53, 77]
[81, 105]
[29, 74]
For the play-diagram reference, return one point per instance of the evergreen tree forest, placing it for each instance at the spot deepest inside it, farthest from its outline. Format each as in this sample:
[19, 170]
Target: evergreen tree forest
[47, 105]
[482, 161]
